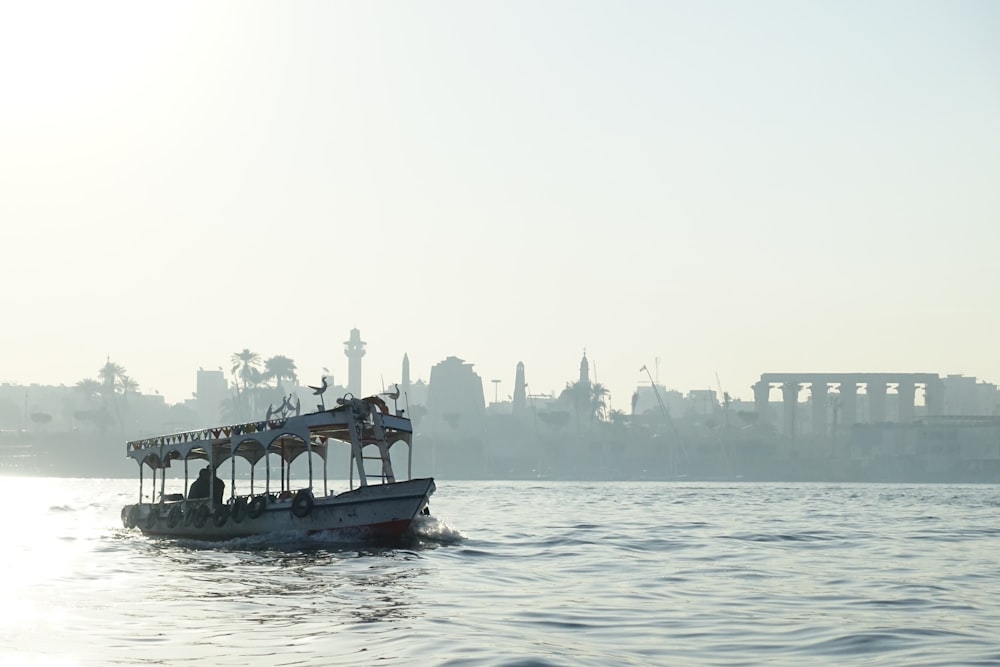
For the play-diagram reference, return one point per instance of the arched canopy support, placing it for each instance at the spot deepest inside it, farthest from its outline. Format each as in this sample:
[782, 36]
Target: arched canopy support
[356, 423]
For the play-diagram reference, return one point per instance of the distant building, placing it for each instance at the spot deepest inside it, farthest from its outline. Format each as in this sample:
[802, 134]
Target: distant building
[417, 395]
[645, 401]
[828, 405]
[584, 370]
[412, 393]
[354, 349]
[703, 402]
[28, 407]
[406, 373]
[456, 403]
[212, 390]
[519, 401]
[965, 448]
[967, 396]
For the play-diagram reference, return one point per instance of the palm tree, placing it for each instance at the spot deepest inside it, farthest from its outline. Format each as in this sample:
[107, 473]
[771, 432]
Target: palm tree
[109, 374]
[246, 369]
[280, 368]
[588, 400]
[244, 364]
[618, 417]
[92, 411]
[89, 388]
[598, 401]
[127, 385]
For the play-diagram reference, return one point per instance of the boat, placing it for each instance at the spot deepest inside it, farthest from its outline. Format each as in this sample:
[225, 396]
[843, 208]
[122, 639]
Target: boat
[377, 506]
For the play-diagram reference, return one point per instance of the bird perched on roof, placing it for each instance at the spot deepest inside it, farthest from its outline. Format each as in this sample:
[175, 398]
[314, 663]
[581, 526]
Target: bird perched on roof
[394, 395]
[318, 391]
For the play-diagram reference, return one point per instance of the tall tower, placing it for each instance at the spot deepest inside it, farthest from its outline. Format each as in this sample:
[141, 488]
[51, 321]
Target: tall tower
[354, 348]
[406, 373]
[519, 390]
[584, 370]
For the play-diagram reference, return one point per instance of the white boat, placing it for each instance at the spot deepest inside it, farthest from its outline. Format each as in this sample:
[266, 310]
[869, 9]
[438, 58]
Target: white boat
[378, 508]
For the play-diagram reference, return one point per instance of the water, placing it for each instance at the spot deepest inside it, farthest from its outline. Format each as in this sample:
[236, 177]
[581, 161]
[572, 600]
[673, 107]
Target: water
[522, 573]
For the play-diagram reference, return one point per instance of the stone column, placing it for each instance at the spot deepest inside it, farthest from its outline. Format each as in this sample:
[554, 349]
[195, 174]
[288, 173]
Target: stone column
[934, 397]
[761, 401]
[818, 394]
[849, 404]
[876, 402]
[907, 393]
[790, 395]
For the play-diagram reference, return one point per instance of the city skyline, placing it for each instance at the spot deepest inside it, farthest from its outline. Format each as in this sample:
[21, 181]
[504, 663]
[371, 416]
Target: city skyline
[730, 188]
[491, 384]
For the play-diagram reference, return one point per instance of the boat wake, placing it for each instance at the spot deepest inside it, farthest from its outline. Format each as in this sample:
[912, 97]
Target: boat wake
[424, 532]
[432, 529]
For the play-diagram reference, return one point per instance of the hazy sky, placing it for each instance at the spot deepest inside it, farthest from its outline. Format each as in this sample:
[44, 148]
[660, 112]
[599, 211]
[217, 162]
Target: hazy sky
[730, 187]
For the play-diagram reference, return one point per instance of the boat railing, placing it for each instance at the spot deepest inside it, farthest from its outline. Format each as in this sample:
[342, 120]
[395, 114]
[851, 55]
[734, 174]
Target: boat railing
[270, 497]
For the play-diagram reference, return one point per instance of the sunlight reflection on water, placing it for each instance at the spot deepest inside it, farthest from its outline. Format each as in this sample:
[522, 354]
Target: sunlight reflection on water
[521, 573]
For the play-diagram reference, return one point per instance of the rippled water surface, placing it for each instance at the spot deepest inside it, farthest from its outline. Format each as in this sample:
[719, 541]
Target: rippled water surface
[509, 573]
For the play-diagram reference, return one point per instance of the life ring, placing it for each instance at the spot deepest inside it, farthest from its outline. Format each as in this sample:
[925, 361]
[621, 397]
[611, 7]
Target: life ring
[238, 509]
[302, 504]
[131, 517]
[200, 516]
[174, 516]
[220, 515]
[256, 506]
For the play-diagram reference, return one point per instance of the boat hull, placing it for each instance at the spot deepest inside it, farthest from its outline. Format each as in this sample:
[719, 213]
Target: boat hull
[377, 512]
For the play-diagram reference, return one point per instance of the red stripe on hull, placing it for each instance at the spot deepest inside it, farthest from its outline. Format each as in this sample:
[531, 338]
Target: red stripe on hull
[388, 530]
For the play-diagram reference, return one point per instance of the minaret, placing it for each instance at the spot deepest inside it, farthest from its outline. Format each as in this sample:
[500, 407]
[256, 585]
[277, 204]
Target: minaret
[354, 349]
[406, 373]
[584, 370]
[519, 390]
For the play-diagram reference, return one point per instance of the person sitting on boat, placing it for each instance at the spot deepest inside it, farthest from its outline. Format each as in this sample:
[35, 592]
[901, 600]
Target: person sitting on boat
[201, 486]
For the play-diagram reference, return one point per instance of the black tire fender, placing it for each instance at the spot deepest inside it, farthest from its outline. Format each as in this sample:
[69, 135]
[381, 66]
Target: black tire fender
[200, 516]
[131, 517]
[174, 516]
[220, 515]
[302, 504]
[256, 506]
[153, 517]
[238, 509]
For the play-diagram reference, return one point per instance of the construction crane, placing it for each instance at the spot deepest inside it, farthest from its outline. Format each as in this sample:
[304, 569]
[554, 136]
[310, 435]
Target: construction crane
[677, 447]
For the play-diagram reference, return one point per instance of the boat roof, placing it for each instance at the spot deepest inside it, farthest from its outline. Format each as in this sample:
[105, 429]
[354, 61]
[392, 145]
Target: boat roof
[287, 436]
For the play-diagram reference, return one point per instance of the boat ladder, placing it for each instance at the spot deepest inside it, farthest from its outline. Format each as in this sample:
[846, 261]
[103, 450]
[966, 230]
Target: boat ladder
[380, 474]
[376, 439]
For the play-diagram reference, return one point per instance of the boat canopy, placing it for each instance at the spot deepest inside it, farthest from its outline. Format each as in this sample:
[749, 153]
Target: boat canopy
[288, 437]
